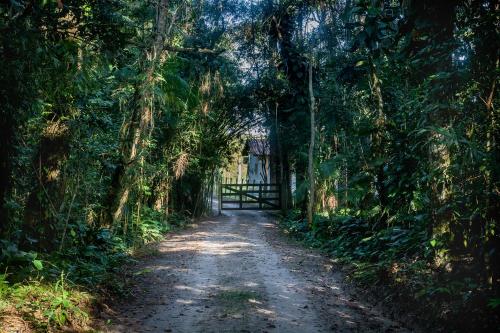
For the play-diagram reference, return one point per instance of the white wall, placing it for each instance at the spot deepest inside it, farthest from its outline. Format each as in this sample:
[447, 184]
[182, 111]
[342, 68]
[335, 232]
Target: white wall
[257, 168]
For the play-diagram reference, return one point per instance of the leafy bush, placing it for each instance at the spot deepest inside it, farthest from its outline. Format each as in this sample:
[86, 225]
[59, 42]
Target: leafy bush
[396, 258]
[48, 290]
[47, 306]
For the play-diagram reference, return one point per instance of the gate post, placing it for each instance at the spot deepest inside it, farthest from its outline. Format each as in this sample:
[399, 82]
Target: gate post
[220, 196]
[284, 197]
[260, 196]
[241, 196]
[280, 196]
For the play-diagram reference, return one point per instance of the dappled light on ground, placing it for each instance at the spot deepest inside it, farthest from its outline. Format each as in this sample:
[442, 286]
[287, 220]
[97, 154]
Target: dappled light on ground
[234, 274]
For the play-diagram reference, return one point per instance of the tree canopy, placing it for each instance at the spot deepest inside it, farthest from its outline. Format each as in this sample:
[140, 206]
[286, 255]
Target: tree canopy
[117, 117]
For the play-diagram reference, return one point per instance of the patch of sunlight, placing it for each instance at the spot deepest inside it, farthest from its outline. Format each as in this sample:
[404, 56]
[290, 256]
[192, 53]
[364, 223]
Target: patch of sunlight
[184, 301]
[184, 287]
[218, 248]
[162, 267]
[254, 301]
[265, 312]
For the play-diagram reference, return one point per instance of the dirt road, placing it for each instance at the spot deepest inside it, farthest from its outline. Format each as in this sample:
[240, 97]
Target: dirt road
[237, 273]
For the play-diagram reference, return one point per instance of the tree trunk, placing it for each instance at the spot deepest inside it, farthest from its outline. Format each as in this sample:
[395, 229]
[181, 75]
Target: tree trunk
[6, 149]
[285, 178]
[310, 206]
[12, 97]
[142, 121]
[378, 145]
[493, 183]
[44, 201]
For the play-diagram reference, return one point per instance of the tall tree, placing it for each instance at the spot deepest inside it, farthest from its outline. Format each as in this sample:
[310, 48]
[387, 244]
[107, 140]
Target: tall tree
[139, 130]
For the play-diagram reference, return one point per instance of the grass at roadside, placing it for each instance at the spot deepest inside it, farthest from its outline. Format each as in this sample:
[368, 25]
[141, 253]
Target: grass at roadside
[58, 291]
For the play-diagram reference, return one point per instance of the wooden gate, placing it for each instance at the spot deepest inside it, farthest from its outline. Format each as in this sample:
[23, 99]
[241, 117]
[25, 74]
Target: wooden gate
[249, 196]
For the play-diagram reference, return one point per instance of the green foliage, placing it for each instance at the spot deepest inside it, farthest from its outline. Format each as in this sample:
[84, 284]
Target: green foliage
[353, 238]
[76, 273]
[107, 143]
[4, 285]
[61, 307]
[494, 303]
[406, 161]
[47, 307]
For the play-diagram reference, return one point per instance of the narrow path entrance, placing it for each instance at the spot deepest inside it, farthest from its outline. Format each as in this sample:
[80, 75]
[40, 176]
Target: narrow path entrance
[237, 273]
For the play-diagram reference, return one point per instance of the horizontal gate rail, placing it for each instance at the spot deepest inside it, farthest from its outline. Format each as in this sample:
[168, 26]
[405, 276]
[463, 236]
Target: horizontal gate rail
[260, 196]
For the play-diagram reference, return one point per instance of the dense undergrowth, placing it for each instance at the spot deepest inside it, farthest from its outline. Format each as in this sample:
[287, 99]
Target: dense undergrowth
[117, 113]
[399, 266]
[112, 127]
[58, 291]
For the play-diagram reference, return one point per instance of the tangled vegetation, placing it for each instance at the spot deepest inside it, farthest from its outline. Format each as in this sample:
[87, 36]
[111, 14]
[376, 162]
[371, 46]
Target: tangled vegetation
[116, 117]
[406, 159]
